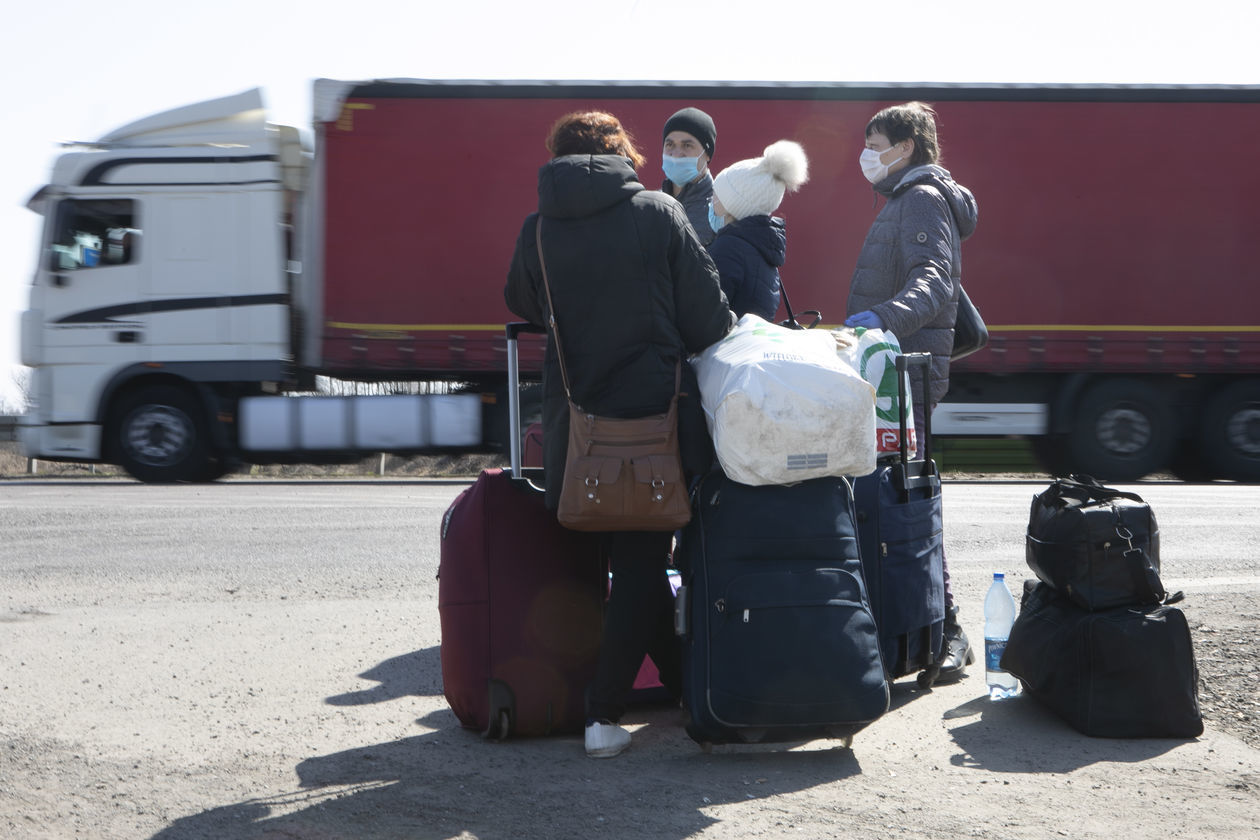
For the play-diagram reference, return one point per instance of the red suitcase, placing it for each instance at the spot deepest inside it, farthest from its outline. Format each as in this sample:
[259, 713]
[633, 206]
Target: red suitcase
[520, 601]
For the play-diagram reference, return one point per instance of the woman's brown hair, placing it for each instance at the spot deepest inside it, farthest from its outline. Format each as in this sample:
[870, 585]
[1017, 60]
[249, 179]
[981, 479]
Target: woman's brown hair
[913, 121]
[592, 133]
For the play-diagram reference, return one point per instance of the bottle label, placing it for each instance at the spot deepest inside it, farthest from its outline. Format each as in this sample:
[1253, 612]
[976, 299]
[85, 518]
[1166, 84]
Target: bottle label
[993, 649]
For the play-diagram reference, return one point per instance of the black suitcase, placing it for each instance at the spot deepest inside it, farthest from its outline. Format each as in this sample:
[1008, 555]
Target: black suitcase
[903, 559]
[779, 643]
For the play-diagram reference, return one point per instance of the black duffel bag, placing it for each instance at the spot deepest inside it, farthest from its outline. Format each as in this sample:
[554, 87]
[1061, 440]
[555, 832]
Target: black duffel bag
[1096, 545]
[1127, 672]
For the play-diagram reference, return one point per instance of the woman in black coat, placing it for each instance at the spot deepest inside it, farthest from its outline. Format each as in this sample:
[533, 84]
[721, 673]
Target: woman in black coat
[634, 292]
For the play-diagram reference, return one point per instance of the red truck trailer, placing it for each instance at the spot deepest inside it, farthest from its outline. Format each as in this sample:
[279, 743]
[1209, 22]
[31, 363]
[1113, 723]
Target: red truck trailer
[1112, 260]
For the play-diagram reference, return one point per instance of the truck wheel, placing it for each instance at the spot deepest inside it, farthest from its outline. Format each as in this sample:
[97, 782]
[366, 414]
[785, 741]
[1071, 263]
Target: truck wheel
[1125, 429]
[1231, 432]
[159, 435]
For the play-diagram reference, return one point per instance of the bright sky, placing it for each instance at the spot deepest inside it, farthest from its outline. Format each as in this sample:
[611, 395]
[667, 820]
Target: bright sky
[73, 70]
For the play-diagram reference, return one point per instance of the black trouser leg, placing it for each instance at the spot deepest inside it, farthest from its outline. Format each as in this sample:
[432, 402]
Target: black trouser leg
[639, 606]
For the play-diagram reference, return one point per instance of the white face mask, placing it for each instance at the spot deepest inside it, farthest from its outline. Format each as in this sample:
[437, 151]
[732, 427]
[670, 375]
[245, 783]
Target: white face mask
[872, 168]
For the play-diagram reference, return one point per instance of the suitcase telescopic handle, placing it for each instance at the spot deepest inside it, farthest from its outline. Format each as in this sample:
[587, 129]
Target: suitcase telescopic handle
[920, 474]
[904, 363]
[513, 332]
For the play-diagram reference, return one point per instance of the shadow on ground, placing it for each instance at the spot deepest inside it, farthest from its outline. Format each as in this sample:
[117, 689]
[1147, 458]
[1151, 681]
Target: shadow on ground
[450, 783]
[1019, 735]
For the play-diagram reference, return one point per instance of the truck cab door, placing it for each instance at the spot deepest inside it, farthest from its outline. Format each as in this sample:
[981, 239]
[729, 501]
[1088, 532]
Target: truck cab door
[91, 283]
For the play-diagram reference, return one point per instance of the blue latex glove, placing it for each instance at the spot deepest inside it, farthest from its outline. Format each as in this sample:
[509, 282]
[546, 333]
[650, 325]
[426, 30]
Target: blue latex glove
[866, 318]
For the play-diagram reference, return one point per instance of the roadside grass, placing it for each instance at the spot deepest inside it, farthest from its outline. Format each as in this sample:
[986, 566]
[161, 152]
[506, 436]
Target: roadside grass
[954, 456]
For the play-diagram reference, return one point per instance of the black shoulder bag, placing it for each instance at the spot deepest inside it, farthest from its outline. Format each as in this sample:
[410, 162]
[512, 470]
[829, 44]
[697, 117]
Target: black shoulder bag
[970, 333]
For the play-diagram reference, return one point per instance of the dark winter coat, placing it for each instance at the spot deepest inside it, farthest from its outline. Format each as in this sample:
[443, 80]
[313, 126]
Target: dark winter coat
[634, 292]
[695, 197]
[748, 253]
[910, 268]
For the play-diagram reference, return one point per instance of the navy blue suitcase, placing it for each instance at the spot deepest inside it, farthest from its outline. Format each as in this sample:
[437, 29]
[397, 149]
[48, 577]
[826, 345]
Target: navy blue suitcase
[779, 643]
[903, 559]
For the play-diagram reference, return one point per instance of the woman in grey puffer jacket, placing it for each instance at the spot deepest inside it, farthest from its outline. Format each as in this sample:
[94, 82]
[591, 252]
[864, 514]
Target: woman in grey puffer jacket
[910, 268]
[910, 271]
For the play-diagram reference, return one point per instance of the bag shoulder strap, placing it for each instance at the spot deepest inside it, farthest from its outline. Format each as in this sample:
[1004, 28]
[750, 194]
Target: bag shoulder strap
[933, 183]
[551, 309]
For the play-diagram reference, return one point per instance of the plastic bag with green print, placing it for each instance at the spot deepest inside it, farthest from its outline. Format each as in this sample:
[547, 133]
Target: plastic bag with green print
[873, 354]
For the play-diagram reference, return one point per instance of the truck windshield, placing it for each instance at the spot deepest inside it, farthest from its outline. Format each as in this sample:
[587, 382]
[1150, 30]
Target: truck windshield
[95, 232]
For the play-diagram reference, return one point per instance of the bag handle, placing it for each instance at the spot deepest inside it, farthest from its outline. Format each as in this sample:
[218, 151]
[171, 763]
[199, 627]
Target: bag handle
[1086, 488]
[555, 330]
[791, 323]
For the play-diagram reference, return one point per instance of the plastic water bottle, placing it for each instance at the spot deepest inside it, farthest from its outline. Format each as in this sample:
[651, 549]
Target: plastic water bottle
[999, 615]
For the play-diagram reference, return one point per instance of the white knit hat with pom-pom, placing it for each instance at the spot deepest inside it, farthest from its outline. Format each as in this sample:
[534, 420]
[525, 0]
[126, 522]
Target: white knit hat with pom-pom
[755, 187]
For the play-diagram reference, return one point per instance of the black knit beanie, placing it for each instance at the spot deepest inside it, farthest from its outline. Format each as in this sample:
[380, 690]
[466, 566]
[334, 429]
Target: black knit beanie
[696, 123]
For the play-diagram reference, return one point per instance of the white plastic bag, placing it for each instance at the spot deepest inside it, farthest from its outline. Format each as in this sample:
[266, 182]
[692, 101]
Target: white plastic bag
[783, 406]
[873, 354]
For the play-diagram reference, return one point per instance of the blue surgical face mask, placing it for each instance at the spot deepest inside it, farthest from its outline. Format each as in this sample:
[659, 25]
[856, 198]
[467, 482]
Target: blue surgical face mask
[681, 170]
[715, 221]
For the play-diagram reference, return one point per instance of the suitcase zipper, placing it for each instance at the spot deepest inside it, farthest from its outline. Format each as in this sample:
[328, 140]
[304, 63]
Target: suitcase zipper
[746, 612]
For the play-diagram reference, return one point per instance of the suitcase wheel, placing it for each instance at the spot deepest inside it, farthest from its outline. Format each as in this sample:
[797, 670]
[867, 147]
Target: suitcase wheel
[927, 677]
[500, 725]
[846, 742]
[502, 704]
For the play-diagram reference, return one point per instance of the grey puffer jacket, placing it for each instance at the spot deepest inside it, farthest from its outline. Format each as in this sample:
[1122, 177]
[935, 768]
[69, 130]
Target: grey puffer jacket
[634, 291]
[910, 268]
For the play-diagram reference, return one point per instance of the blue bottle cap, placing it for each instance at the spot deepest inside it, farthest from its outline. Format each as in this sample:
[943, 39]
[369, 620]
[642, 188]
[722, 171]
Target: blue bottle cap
[999, 576]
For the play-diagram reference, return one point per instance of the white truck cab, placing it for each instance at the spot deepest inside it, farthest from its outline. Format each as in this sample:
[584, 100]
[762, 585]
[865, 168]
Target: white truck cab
[164, 270]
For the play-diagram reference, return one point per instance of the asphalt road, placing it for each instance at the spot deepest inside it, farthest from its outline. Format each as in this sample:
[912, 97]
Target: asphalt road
[260, 659]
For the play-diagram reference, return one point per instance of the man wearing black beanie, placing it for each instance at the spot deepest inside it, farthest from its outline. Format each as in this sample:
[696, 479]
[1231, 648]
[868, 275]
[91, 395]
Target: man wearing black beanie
[689, 138]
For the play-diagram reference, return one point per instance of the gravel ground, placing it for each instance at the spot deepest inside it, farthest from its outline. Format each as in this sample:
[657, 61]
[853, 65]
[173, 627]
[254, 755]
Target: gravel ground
[1227, 649]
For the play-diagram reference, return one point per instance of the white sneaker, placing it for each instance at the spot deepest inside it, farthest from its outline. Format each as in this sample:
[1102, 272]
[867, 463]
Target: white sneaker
[604, 740]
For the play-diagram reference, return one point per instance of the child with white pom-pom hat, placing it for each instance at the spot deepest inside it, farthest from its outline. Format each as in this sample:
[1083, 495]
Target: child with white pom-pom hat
[751, 244]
